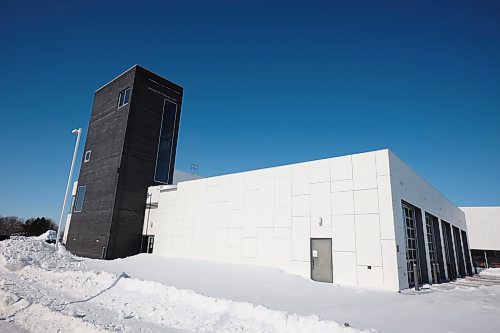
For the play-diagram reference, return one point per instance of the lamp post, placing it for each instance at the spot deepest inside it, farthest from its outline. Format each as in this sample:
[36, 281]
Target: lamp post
[78, 132]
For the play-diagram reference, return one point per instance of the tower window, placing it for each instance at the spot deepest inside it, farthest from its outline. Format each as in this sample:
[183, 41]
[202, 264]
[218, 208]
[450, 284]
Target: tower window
[80, 196]
[87, 156]
[124, 97]
[165, 142]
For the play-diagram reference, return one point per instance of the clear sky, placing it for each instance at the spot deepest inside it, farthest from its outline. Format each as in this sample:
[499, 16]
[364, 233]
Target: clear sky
[266, 83]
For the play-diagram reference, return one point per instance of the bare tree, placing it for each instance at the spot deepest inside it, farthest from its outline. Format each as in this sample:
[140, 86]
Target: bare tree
[11, 225]
[37, 226]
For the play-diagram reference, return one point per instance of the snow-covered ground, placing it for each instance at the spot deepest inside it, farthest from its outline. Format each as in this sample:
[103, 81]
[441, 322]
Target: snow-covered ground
[49, 235]
[490, 272]
[44, 290]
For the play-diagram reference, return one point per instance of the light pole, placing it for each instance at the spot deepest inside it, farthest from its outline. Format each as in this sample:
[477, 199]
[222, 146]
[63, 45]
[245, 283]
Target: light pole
[78, 132]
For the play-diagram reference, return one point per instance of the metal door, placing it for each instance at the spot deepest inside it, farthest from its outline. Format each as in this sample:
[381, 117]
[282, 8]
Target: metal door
[321, 260]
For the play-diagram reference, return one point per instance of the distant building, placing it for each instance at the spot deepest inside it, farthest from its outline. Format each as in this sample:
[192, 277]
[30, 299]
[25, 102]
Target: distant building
[131, 144]
[364, 220]
[183, 176]
[483, 224]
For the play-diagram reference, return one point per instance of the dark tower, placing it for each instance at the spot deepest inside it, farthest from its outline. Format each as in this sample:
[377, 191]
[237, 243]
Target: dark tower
[131, 144]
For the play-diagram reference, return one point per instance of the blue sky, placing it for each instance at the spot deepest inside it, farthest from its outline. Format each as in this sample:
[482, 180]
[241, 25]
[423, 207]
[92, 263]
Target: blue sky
[266, 83]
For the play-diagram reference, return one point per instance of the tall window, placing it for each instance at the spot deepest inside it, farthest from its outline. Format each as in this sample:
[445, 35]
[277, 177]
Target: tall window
[165, 142]
[447, 252]
[430, 239]
[124, 97]
[411, 243]
[80, 196]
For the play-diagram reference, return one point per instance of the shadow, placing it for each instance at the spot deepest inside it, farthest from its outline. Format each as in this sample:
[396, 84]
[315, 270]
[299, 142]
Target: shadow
[413, 292]
[122, 275]
[6, 318]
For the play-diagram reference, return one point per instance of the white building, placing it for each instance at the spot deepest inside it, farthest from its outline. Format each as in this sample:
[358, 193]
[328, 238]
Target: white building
[483, 224]
[68, 217]
[358, 220]
[179, 176]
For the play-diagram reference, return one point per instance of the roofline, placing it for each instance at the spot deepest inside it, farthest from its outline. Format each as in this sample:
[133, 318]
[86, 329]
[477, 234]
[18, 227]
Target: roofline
[136, 65]
[179, 88]
[478, 207]
[422, 178]
[292, 164]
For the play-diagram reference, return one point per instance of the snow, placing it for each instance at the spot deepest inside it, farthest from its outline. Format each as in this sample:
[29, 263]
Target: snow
[49, 235]
[491, 272]
[19, 252]
[44, 290]
[6, 326]
[47, 290]
[440, 308]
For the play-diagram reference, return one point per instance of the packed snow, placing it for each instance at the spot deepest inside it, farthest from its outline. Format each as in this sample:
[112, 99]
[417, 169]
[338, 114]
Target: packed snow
[49, 235]
[491, 272]
[47, 290]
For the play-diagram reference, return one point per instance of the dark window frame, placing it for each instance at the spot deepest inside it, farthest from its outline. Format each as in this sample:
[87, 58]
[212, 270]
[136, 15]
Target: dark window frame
[86, 158]
[163, 135]
[431, 239]
[80, 197]
[412, 253]
[415, 241]
[124, 97]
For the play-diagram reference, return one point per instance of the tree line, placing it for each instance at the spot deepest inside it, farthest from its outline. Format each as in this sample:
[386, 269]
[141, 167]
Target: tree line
[13, 225]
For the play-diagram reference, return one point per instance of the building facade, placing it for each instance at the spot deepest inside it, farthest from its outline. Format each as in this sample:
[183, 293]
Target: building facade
[364, 220]
[130, 145]
[483, 224]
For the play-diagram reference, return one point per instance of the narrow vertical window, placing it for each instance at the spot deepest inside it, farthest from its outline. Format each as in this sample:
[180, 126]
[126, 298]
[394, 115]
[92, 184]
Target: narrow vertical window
[87, 156]
[124, 97]
[430, 239]
[165, 142]
[80, 196]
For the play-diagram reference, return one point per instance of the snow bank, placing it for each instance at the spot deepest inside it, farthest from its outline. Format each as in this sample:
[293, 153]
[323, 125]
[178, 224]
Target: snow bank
[43, 285]
[491, 272]
[18, 252]
[49, 235]
[179, 309]
[37, 318]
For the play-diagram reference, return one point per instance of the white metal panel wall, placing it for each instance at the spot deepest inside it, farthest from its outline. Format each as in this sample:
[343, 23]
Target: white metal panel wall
[483, 224]
[268, 217]
[407, 185]
[68, 217]
[374, 225]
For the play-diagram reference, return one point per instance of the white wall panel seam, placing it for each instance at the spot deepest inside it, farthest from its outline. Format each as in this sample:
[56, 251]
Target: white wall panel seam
[379, 226]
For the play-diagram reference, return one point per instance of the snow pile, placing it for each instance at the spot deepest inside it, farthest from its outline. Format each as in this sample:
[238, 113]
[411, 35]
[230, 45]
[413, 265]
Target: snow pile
[49, 235]
[491, 272]
[18, 252]
[174, 308]
[37, 318]
[42, 283]
[47, 290]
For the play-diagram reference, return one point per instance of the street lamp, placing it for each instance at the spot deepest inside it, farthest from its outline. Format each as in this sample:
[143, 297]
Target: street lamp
[78, 132]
